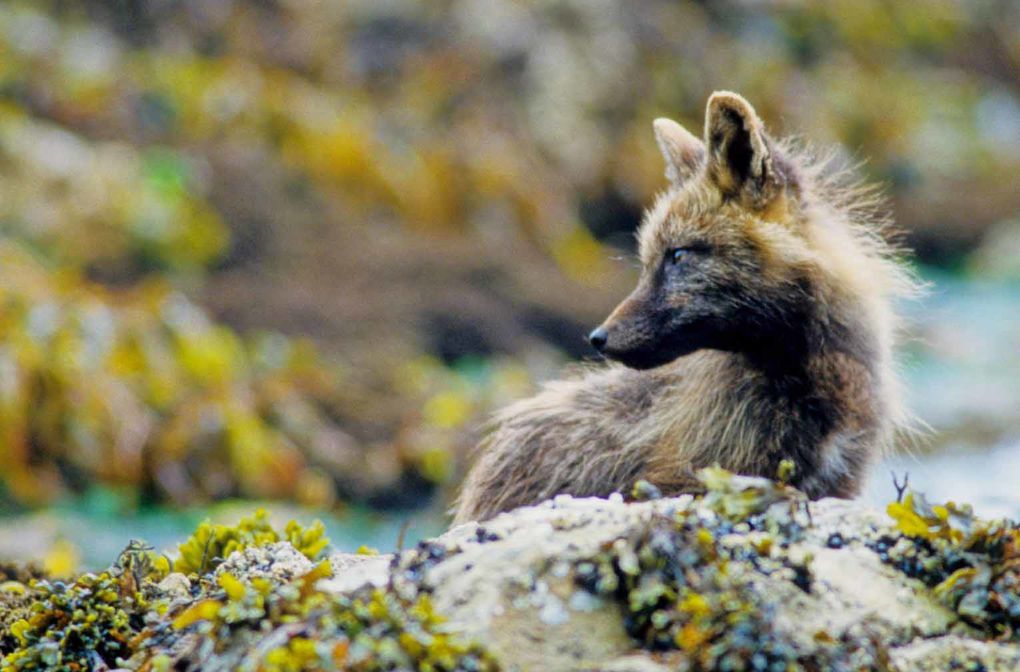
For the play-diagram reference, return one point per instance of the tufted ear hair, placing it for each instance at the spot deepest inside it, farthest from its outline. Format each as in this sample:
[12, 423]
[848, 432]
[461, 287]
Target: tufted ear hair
[683, 152]
[741, 161]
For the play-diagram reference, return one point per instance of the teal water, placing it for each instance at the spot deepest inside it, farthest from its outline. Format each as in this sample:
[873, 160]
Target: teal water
[962, 376]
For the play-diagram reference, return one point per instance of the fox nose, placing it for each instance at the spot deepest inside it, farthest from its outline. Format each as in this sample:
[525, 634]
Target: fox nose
[598, 338]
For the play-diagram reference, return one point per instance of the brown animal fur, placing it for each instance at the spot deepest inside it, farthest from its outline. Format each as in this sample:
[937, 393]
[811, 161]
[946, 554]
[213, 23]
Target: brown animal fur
[761, 329]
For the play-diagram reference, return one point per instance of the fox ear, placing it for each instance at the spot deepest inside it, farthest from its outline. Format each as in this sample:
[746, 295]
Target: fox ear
[683, 152]
[740, 157]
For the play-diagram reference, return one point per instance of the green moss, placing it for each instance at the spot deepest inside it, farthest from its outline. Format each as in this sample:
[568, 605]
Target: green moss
[212, 543]
[739, 500]
[301, 653]
[73, 626]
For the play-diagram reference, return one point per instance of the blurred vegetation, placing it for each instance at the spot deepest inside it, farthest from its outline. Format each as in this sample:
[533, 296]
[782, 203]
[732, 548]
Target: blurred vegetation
[432, 192]
[136, 387]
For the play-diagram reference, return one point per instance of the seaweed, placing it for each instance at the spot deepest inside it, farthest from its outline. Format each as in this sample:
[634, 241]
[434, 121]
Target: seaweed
[134, 614]
[686, 581]
[972, 565]
[292, 626]
[91, 622]
[211, 544]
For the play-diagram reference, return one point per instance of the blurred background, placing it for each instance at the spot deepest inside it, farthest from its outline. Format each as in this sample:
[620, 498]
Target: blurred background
[297, 250]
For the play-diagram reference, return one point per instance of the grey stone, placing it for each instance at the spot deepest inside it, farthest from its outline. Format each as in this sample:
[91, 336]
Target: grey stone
[512, 590]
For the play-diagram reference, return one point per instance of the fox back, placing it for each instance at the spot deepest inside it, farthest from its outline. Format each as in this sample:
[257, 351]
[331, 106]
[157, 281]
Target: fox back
[761, 329]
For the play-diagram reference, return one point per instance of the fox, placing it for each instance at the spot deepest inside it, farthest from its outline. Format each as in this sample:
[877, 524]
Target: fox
[762, 329]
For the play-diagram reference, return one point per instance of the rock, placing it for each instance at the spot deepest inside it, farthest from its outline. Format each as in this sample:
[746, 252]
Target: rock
[514, 584]
[747, 576]
[279, 562]
[351, 571]
[956, 653]
[510, 582]
[174, 586]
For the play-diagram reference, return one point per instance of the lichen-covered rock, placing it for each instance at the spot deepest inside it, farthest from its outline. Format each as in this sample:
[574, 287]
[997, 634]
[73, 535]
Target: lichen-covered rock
[952, 652]
[747, 576]
[278, 562]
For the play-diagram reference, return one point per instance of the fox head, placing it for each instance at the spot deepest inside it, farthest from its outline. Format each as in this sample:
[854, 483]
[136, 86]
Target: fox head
[720, 249]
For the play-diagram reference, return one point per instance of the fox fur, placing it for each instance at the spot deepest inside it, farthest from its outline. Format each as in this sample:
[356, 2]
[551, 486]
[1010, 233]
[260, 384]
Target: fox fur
[762, 329]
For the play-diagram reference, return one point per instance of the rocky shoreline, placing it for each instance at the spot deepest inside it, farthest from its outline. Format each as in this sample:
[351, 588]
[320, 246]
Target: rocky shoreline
[747, 576]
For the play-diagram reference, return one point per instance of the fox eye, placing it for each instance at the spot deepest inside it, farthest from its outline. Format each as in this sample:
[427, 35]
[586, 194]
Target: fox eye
[677, 254]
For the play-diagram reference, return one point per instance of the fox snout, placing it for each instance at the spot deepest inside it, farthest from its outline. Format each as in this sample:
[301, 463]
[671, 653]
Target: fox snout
[616, 335]
[648, 330]
[629, 334]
